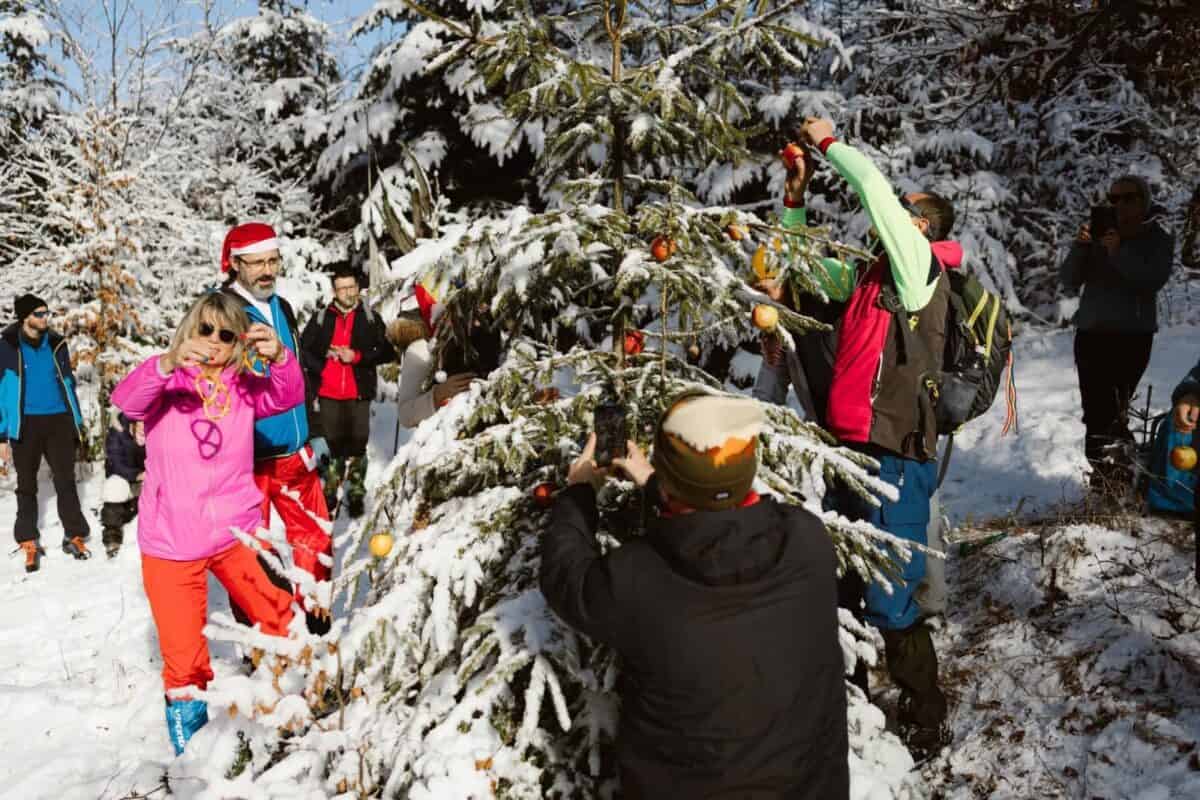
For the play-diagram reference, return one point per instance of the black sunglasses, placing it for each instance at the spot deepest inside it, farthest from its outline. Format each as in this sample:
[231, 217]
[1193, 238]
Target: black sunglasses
[40, 314]
[1116, 198]
[227, 336]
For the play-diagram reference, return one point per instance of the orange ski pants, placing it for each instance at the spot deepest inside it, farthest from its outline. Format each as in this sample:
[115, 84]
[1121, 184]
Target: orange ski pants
[178, 595]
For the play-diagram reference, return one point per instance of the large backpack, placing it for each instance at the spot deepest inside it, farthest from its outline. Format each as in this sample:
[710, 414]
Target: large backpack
[1167, 489]
[978, 350]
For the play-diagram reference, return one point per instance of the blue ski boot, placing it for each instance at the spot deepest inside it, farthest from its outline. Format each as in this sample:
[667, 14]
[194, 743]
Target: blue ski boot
[184, 718]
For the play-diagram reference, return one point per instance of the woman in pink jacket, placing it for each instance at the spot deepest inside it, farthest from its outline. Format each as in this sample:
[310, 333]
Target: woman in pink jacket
[199, 401]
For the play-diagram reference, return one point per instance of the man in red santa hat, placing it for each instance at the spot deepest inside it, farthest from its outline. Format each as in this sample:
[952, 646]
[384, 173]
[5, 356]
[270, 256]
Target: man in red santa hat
[286, 460]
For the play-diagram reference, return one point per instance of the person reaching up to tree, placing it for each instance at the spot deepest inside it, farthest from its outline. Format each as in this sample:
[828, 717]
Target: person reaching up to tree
[890, 328]
[199, 403]
[286, 459]
[40, 418]
[461, 363]
[724, 616]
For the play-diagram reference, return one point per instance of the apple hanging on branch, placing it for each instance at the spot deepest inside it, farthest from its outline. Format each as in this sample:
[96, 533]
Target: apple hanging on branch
[662, 248]
[791, 155]
[765, 317]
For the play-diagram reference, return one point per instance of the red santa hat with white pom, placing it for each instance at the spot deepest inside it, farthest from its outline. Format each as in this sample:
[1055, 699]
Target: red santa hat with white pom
[247, 239]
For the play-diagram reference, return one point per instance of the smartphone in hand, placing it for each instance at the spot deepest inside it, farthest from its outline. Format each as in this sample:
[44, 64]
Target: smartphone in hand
[1104, 219]
[611, 433]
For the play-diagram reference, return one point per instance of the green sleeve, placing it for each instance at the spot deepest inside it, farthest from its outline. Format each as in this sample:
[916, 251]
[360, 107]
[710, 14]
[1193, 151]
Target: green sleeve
[837, 277]
[908, 250]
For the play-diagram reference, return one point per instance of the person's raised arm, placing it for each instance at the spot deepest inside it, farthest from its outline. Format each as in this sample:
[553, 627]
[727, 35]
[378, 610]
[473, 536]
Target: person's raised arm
[907, 248]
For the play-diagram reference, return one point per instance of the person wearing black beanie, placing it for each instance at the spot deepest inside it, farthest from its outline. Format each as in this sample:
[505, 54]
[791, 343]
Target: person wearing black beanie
[26, 304]
[40, 418]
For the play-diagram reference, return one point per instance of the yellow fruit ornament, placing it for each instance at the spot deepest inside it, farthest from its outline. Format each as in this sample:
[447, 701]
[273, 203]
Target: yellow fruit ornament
[760, 262]
[381, 544]
[765, 317]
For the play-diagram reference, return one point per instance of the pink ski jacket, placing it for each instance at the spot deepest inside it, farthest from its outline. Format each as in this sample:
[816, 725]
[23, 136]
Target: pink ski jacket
[200, 471]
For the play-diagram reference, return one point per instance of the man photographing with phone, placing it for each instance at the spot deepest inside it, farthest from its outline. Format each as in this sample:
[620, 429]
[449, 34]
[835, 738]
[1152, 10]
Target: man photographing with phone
[724, 614]
[1120, 259]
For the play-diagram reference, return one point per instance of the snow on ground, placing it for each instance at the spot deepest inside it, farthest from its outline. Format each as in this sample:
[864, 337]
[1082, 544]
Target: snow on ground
[81, 698]
[1069, 653]
[1042, 466]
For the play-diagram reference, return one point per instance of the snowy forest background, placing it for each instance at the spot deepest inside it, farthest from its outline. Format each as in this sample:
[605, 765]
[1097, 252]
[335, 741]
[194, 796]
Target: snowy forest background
[488, 143]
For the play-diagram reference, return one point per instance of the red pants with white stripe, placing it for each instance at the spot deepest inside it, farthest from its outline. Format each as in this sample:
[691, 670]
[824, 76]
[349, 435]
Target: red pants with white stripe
[295, 492]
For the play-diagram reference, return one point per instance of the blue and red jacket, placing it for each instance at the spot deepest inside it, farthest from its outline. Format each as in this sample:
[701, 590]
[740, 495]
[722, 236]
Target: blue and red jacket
[14, 385]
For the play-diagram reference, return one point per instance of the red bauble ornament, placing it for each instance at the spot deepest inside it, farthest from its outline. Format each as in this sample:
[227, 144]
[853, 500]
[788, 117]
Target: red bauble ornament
[635, 342]
[543, 494]
[662, 248]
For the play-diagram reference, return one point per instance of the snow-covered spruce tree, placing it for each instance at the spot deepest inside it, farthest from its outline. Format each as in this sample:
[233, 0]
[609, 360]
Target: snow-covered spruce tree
[439, 97]
[28, 93]
[252, 103]
[422, 93]
[453, 679]
[28, 84]
[1022, 113]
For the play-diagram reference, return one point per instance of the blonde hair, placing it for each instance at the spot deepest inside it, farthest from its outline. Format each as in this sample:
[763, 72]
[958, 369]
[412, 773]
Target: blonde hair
[407, 328]
[221, 311]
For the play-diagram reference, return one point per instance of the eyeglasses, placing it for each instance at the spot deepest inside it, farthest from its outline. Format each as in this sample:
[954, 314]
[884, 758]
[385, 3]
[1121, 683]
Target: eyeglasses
[227, 336]
[1117, 198]
[40, 314]
[273, 263]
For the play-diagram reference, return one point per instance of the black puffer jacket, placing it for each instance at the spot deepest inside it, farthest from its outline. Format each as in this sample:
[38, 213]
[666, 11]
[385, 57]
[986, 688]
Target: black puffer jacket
[732, 677]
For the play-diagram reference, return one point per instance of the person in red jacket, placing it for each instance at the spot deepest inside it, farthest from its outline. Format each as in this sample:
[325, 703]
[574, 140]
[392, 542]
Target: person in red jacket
[341, 347]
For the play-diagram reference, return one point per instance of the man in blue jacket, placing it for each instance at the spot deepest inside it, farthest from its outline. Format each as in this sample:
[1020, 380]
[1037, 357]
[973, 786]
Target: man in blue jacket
[285, 457]
[40, 418]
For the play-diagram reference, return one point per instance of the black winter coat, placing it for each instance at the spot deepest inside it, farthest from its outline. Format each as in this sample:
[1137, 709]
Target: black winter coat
[732, 679]
[122, 454]
[367, 337]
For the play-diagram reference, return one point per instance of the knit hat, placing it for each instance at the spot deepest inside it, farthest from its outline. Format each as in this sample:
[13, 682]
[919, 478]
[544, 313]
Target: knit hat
[247, 239]
[26, 304]
[705, 450]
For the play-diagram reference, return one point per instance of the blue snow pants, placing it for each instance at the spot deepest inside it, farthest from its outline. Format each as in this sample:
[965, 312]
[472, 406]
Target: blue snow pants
[906, 518]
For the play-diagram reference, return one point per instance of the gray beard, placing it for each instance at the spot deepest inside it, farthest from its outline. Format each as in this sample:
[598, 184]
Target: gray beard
[259, 293]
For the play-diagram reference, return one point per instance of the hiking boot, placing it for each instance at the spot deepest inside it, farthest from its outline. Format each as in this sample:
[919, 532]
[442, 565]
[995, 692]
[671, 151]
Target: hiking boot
[112, 541]
[331, 504]
[75, 546]
[33, 555]
[925, 742]
[184, 718]
[355, 507]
